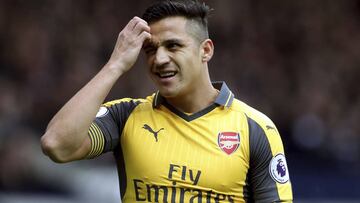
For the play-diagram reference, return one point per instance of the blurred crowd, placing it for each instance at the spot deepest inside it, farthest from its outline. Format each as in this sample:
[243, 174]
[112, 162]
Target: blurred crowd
[296, 61]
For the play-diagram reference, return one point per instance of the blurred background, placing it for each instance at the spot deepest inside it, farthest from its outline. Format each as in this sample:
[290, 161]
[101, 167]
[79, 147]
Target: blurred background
[296, 61]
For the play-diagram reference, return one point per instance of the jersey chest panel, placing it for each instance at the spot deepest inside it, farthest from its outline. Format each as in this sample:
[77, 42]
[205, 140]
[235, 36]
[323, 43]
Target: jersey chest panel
[170, 159]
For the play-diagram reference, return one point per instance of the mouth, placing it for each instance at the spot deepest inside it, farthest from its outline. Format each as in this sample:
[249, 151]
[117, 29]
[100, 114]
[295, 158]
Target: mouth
[167, 74]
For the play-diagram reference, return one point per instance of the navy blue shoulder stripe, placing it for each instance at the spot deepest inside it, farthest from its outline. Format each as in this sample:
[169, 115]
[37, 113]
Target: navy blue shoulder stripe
[261, 185]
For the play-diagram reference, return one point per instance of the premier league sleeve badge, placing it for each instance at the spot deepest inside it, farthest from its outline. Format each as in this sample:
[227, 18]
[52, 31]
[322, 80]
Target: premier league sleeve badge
[278, 169]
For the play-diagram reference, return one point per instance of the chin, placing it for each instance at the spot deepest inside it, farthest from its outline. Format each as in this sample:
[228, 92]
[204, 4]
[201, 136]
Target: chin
[170, 90]
[167, 93]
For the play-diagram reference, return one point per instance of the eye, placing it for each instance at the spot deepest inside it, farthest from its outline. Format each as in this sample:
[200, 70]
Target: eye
[173, 46]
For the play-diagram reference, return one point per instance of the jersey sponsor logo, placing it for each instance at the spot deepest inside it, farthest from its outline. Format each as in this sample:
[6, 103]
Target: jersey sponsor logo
[102, 112]
[181, 186]
[228, 141]
[278, 169]
[155, 133]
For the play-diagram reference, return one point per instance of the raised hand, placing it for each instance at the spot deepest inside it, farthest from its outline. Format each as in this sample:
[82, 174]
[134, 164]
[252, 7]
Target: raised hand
[129, 44]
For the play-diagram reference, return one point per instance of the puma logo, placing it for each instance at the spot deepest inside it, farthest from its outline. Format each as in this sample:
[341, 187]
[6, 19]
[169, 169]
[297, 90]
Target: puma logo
[155, 133]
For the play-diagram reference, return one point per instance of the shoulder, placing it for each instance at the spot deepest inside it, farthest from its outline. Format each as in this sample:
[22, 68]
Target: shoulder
[263, 133]
[135, 101]
[253, 114]
[125, 106]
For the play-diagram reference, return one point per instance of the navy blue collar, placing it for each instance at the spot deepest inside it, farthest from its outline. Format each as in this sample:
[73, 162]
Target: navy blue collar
[225, 97]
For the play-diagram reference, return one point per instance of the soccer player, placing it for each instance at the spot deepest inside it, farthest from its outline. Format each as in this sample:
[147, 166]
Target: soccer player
[190, 141]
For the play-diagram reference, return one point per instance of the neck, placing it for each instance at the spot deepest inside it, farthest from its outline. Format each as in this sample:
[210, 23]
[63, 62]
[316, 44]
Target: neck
[197, 100]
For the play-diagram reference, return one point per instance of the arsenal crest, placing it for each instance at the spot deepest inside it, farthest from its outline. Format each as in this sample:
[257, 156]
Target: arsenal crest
[228, 141]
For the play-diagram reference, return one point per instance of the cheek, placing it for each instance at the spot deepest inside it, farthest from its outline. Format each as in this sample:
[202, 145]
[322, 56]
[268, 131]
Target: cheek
[194, 60]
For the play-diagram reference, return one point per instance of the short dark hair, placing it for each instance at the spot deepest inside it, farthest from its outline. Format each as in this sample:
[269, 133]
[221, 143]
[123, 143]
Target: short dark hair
[190, 9]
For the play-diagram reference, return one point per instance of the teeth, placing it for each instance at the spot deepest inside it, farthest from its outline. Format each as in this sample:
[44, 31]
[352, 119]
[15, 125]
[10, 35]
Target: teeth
[167, 74]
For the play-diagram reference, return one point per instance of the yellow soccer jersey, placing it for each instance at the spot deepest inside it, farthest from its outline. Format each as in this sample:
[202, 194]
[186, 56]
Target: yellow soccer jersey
[228, 152]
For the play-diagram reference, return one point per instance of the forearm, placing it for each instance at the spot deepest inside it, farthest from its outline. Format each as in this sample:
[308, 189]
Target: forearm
[66, 134]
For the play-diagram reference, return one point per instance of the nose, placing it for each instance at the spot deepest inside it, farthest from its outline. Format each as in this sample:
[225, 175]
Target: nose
[161, 57]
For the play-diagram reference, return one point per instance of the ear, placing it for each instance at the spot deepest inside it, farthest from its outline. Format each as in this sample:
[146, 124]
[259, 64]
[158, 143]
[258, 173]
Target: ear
[207, 50]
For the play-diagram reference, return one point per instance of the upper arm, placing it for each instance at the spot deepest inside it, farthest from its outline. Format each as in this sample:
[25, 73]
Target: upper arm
[268, 173]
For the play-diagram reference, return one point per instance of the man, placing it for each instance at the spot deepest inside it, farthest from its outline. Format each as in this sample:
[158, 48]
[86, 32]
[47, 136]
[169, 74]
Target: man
[191, 141]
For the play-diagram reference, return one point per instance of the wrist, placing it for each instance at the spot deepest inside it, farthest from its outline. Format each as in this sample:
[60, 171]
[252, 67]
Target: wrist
[116, 68]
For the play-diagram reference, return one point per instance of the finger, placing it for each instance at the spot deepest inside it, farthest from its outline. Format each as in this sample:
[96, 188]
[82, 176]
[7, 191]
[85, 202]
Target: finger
[144, 36]
[140, 27]
[132, 23]
[138, 20]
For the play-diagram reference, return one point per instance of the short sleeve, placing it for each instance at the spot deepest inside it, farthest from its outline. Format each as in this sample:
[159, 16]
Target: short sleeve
[105, 130]
[268, 174]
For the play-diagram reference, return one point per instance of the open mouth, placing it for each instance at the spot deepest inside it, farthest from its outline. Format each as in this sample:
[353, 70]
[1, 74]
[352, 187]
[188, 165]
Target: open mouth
[166, 74]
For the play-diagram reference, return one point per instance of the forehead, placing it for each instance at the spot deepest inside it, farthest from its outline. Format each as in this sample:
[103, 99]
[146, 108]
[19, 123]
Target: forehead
[167, 28]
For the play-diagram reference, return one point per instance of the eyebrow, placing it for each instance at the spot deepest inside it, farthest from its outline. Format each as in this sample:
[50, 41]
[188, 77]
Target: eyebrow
[151, 44]
[173, 41]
